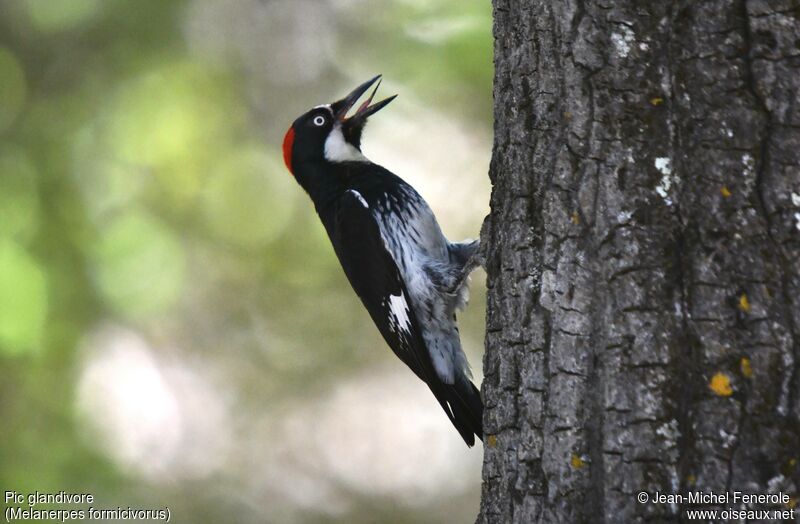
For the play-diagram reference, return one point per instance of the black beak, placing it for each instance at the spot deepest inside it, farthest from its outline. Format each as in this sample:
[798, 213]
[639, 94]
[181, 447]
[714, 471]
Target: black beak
[359, 118]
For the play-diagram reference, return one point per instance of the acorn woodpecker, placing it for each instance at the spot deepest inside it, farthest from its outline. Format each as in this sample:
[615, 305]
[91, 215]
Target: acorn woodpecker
[408, 275]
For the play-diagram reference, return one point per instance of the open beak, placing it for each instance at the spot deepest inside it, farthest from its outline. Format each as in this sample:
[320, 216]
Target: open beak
[356, 122]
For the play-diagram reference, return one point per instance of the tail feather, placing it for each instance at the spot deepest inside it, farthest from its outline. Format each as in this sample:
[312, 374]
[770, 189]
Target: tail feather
[463, 406]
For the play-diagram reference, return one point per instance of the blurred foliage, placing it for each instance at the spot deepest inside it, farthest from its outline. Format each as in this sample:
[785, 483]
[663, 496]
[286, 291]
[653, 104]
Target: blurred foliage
[442, 49]
[139, 265]
[12, 88]
[136, 187]
[23, 302]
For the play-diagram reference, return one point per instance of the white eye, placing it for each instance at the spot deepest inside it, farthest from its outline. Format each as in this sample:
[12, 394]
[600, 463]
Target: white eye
[319, 120]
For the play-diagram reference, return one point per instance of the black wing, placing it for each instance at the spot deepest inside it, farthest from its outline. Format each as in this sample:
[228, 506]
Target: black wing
[376, 279]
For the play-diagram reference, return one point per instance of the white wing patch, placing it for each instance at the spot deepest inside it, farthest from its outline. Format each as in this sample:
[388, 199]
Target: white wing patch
[359, 197]
[398, 309]
[337, 149]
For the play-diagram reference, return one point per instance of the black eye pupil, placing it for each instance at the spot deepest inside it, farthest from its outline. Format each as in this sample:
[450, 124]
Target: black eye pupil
[318, 120]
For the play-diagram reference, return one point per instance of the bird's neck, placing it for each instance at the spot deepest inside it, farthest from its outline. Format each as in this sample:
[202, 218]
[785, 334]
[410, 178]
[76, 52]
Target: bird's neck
[324, 181]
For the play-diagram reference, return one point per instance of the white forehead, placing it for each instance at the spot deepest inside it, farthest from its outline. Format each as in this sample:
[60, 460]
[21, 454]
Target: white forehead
[324, 106]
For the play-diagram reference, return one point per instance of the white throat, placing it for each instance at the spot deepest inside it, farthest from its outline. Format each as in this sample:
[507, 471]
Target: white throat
[337, 149]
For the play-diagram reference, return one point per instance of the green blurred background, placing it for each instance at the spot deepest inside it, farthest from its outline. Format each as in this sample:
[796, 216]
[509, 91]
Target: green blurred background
[174, 327]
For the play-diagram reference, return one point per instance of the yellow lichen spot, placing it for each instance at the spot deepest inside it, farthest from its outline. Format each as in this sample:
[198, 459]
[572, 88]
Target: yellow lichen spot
[792, 462]
[745, 367]
[491, 441]
[721, 385]
[567, 115]
[656, 100]
[575, 219]
[691, 480]
[577, 462]
[725, 191]
[744, 303]
[792, 503]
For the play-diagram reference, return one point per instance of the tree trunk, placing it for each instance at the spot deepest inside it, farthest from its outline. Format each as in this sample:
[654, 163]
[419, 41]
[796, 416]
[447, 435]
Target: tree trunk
[643, 258]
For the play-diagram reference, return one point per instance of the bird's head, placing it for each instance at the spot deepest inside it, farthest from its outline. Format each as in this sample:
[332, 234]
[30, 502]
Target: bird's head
[327, 133]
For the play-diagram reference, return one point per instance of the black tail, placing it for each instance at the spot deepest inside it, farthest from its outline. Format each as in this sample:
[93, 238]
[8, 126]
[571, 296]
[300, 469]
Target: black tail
[463, 406]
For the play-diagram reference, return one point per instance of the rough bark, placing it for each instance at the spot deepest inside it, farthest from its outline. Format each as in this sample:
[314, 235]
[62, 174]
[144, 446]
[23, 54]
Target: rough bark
[643, 257]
